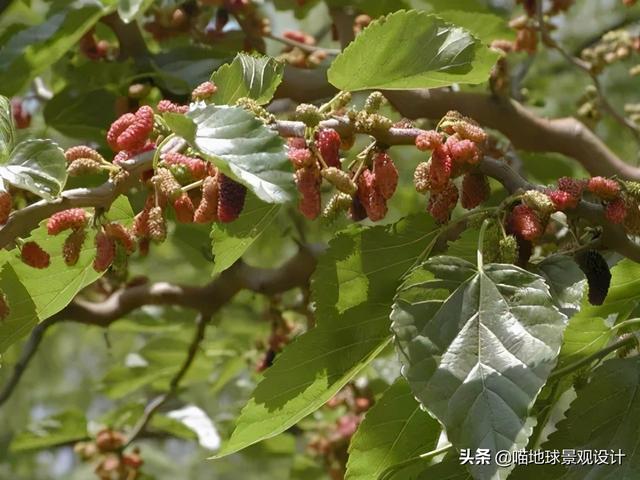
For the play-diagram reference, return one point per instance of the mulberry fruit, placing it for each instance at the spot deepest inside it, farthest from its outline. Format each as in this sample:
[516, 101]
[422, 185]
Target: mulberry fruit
[33, 255]
[167, 106]
[156, 225]
[73, 218]
[386, 175]
[604, 188]
[6, 203]
[184, 209]
[440, 169]
[525, 223]
[340, 180]
[337, 203]
[196, 167]
[540, 202]
[301, 157]
[122, 235]
[616, 211]
[308, 181]
[428, 140]
[562, 200]
[465, 127]
[82, 151]
[207, 210]
[105, 252]
[572, 186]
[73, 246]
[328, 144]
[371, 199]
[357, 211]
[463, 151]
[231, 195]
[442, 203]
[475, 190]
[131, 131]
[421, 178]
[595, 268]
[204, 91]
[83, 166]
[166, 183]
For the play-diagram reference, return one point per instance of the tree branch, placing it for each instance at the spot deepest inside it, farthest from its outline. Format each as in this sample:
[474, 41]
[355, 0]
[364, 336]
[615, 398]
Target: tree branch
[207, 299]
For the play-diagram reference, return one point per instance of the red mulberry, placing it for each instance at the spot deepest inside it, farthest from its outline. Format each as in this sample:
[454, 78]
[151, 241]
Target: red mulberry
[231, 195]
[130, 131]
[442, 203]
[371, 199]
[596, 269]
[6, 203]
[184, 209]
[73, 246]
[105, 252]
[525, 223]
[616, 211]
[66, 219]
[463, 151]
[562, 200]
[204, 90]
[475, 190]
[122, 235]
[440, 169]
[604, 188]
[386, 174]
[572, 186]
[328, 144]
[428, 140]
[34, 256]
[207, 211]
[300, 157]
[308, 181]
[167, 106]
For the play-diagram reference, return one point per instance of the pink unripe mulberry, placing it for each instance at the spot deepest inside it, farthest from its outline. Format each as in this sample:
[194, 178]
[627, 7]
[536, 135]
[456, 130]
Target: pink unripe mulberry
[308, 180]
[196, 167]
[131, 131]
[442, 203]
[428, 140]
[207, 211]
[73, 246]
[572, 186]
[604, 188]
[440, 168]
[167, 106]
[184, 208]
[616, 211]
[105, 252]
[34, 256]
[73, 218]
[122, 235]
[301, 157]
[562, 200]
[463, 151]
[328, 144]
[371, 199]
[203, 91]
[386, 174]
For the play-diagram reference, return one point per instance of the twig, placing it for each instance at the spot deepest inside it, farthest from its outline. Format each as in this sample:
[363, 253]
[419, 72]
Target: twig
[302, 46]
[154, 405]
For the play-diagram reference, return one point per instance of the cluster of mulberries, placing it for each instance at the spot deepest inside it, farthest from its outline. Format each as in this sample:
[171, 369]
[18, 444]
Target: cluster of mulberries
[204, 91]
[455, 150]
[167, 106]
[184, 167]
[376, 185]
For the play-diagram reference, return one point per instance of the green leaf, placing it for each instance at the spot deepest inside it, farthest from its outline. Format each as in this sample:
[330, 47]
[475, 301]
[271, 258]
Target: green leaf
[604, 416]
[485, 26]
[245, 147]
[231, 240]
[411, 49]
[65, 427]
[38, 166]
[253, 76]
[32, 50]
[22, 311]
[82, 115]
[565, 279]
[7, 129]
[318, 364]
[130, 9]
[394, 430]
[474, 342]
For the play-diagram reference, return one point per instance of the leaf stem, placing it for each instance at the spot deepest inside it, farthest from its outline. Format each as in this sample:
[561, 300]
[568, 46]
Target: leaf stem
[483, 229]
[386, 474]
[626, 323]
[600, 354]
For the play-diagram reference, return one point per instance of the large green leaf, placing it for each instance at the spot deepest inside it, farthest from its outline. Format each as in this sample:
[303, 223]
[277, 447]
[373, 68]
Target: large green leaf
[68, 426]
[32, 50]
[318, 364]
[245, 147]
[485, 26]
[477, 346]
[22, 311]
[253, 76]
[605, 416]
[231, 240]
[411, 49]
[394, 430]
[7, 129]
[38, 166]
